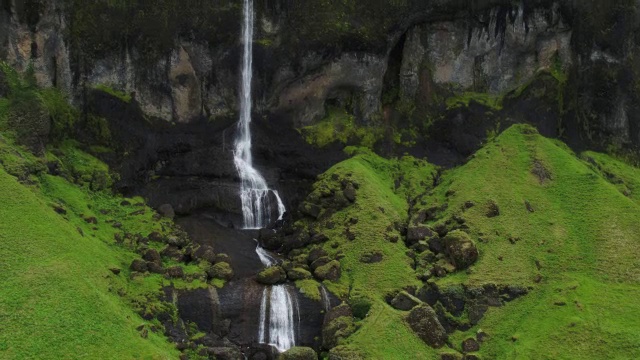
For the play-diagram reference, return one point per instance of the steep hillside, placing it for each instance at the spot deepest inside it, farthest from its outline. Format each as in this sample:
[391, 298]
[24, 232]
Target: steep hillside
[553, 231]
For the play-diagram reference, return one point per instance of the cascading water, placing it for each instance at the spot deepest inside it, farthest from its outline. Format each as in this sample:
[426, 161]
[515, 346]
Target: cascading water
[257, 205]
[277, 326]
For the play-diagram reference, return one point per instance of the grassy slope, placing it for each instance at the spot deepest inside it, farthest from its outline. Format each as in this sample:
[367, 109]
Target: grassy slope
[582, 233]
[382, 334]
[55, 300]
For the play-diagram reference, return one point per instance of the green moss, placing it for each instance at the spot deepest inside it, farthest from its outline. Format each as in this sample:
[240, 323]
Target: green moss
[340, 126]
[113, 92]
[463, 100]
[309, 288]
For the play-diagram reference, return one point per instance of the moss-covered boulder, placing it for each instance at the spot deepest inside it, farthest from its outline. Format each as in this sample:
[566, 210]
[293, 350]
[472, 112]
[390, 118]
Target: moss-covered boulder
[405, 301]
[271, 275]
[462, 251]
[221, 270]
[424, 322]
[345, 352]
[298, 274]
[336, 330]
[299, 353]
[331, 271]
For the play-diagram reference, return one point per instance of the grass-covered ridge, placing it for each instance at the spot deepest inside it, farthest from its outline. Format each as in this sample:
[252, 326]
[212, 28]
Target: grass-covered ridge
[565, 230]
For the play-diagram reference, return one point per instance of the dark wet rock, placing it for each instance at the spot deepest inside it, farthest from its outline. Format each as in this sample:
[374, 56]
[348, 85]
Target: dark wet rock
[461, 250]
[299, 353]
[337, 329]
[451, 356]
[320, 262]
[175, 272]
[492, 209]
[298, 274]
[221, 270]
[311, 210]
[271, 275]
[173, 253]
[316, 253]
[417, 233]
[428, 293]
[470, 345]
[155, 268]
[138, 265]
[270, 240]
[371, 257]
[167, 211]
[476, 312]
[405, 301]
[225, 353]
[331, 271]
[349, 192]
[424, 322]
[206, 253]
[152, 255]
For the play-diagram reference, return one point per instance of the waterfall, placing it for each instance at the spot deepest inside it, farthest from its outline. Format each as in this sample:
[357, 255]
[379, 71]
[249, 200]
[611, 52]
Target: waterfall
[255, 195]
[277, 309]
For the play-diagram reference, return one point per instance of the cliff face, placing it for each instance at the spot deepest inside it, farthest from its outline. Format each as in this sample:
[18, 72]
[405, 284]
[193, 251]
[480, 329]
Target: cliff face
[403, 68]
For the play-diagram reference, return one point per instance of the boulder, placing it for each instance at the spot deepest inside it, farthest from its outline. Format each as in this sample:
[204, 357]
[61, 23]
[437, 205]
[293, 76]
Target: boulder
[225, 353]
[346, 352]
[371, 257]
[299, 353]
[492, 209]
[271, 275]
[152, 255]
[221, 270]
[320, 262]
[167, 211]
[138, 265]
[336, 330]
[205, 252]
[405, 301]
[470, 345]
[270, 240]
[155, 268]
[424, 322]
[417, 233]
[315, 254]
[298, 274]
[462, 251]
[349, 192]
[310, 210]
[451, 356]
[339, 311]
[175, 272]
[330, 271]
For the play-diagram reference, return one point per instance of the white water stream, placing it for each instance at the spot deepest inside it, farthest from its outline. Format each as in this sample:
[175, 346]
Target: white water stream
[257, 202]
[277, 326]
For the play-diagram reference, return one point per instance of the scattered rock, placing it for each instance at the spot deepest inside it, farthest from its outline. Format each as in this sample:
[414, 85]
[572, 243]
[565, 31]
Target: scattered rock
[125, 203]
[330, 271]
[319, 238]
[451, 356]
[154, 268]
[175, 272]
[462, 251]
[155, 237]
[315, 254]
[346, 352]
[115, 270]
[404, 301]
[311, 210]
[350, 236]
[298, 274]
[424, 322]
[469, 204]
[470, 345]
[349, 192]
[205, 252]
[529, 207]
[299, 353]
[59, 209]
[540, 171]
[371, 257]
[152, 255]
[173, 253]
[117, 225]
[225, 353]
[320, 262]
[221, 270]
[417, 233]
[138, 265]
[91, 220]
[472, 357]
[167, 211]
[271, 275]
[336, 329]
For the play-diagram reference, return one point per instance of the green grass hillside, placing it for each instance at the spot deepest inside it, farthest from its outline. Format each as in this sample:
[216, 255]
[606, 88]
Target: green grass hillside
[58, 296]
[566, 230]
[577, 239]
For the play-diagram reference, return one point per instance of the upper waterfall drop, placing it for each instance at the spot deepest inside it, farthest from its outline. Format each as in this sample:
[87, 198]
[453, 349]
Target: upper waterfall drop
[257, 206]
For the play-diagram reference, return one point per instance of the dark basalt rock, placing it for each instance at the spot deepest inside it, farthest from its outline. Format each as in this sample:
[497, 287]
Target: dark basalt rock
[152, 255]
[470, 345]
[175, 272]
[206, 253]
[405, 301]
[221, 270]
[330, 271]
[424, 322]
[271, 275]
[155, 268]
[138, 265]
[461, 249]
[166, 210]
